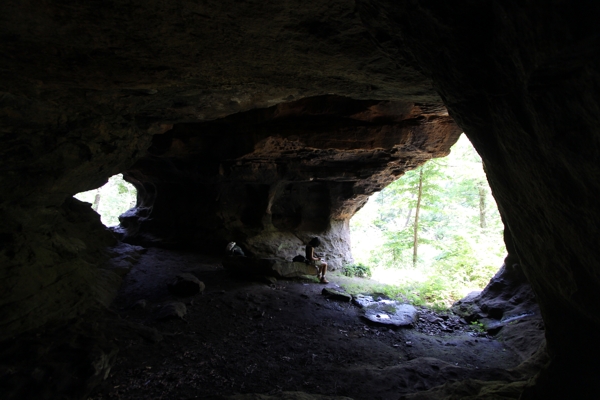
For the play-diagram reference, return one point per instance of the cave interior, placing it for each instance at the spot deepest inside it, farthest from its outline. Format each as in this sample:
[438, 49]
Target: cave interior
[267, 123]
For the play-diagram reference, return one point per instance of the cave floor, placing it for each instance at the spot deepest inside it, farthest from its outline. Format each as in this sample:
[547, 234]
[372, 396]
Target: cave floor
[243, 336]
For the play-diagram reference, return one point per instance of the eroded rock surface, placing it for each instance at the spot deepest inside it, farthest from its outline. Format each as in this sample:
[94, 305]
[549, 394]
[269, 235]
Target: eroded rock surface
[171, 310]
[185, 284]
[260, 153]
[270, 179]
[244, 336]
[390, 313]
[56, 263]
[506, 298]
[336, 295]
[523, 96]
[235, 122]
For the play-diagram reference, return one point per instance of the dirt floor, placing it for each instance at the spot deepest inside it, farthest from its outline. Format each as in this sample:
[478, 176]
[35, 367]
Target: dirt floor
[254, 336]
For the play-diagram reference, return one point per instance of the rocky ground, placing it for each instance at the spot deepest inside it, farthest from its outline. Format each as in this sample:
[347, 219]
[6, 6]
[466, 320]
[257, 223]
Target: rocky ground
[255, 336]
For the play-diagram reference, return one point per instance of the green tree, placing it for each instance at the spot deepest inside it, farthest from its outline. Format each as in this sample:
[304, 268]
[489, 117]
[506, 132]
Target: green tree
[439, 219]
[402, 204]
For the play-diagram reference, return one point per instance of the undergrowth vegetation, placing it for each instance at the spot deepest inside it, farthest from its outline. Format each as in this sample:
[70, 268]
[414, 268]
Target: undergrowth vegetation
[433, 235]
[432, 293]
[359, 270]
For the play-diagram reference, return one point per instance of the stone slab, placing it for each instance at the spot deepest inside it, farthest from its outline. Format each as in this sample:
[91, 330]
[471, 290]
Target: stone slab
[336, 295]
[390, 313]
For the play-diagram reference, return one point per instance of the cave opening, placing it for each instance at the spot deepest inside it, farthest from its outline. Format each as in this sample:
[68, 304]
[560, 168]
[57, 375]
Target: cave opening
[435, 234]
[85, 88]
[111, 199]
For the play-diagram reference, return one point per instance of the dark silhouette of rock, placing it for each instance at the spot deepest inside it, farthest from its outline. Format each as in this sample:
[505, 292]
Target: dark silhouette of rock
[281, 174]
[506, 298]
[248, 267]
[286, 396]
[233, 249]
[222, 116]
[388, 312]
[336, 295]
[140, 304]
[171, 310]
[185, 285]
[299, 258]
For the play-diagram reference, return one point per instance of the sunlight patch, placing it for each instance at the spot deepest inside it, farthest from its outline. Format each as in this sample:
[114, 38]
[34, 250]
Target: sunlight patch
[458, 234]
[111, 200]
[394, 276]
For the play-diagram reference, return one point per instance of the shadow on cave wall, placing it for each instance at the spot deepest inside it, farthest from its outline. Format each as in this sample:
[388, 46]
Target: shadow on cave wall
[85, 93]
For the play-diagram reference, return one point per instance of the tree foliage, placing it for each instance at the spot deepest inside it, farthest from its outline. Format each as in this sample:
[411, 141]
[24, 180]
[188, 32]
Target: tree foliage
[459, 232]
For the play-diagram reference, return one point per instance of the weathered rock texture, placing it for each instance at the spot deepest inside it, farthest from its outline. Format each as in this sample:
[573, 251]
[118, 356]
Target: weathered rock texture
[59, 361]
[270, 179]
[508, 296]
[55, 265]
[90, 91]
[185, 285]
[522, 82]
[235, 121]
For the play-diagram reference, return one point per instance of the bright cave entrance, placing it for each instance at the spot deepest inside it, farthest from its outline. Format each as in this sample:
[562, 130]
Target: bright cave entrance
[459, 236]
[111, 200]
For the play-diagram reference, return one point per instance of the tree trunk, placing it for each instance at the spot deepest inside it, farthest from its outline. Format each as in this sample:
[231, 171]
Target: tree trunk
[381, 199]
[416, 235]
[482, 222]
[408, 217]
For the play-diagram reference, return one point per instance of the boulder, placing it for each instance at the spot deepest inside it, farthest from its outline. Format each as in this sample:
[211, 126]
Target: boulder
[507, 297]
[288, 269]
[185, 285]
[140, 304]
[171, 310]
[362, 300]
[390, 313]
[336, 295]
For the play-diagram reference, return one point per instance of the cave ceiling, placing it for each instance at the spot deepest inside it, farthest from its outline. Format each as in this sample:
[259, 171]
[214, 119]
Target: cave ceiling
[214, 108]
[194, 100]
[260, 122]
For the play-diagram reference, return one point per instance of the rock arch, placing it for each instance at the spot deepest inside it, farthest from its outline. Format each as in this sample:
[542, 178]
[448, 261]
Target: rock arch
[207, 105]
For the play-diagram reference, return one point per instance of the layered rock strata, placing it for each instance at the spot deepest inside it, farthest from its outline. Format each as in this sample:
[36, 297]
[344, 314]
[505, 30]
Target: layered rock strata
[85, 89]
[271, 179]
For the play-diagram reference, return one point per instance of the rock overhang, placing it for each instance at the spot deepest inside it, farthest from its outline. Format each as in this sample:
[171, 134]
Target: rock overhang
[291, 168]
[86, 88]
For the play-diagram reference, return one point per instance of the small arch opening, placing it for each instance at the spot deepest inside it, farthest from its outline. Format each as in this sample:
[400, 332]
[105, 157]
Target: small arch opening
[457, 245]
[111, 200]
